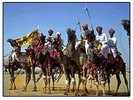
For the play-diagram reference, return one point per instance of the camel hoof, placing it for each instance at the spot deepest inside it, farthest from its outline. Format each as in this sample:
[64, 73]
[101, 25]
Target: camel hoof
[34, 90]
[97, 94]
[43, 88]
[84, 94]
[24, 90]
[76, 94]
[109, 93]
[13, 89]
[128, 93]
[49, 92]
[65, 93]
[72, 90]
[114, 94]
[44, 91]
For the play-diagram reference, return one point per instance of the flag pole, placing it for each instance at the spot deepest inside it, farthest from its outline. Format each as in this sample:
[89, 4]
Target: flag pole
[86, 9]
[78, 23]
[38, 29]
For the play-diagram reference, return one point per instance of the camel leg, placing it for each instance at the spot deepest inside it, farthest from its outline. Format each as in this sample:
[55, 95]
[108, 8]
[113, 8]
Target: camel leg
[97, 84]
[97, 90]
[73, 79]
[12, 80]
[69, 84]
[118, 82]
[45, 87]
[48, 78]
[68, 80]
[90, 83]
[28, 78]
[53, 82]
[79, 82]
[44, 75]
[74, 84]
[52, 75]
[103, 87]
[108, 77]
[34, 79]
[14, 85]
[84, 81]
[126, 82]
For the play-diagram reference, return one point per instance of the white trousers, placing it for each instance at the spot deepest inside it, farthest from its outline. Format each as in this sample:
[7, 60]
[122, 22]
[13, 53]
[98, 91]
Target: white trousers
[105, 50]
[113, 50]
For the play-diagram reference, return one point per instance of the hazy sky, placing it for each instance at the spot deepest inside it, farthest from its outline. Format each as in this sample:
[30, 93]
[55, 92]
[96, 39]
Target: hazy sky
[21, 18]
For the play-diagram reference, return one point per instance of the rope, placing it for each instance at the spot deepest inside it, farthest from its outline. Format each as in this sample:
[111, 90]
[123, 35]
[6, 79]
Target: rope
[7, 54]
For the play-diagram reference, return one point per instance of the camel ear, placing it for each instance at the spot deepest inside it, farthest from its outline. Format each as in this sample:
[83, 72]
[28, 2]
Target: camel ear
[73, 31]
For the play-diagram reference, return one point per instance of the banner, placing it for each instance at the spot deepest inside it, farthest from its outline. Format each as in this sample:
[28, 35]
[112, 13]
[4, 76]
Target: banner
[30, 38]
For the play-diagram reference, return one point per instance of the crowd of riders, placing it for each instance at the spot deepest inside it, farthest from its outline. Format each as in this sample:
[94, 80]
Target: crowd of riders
[106, 44]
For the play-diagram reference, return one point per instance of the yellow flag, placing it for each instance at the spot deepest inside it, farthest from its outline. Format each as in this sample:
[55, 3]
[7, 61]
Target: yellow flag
[30, 38]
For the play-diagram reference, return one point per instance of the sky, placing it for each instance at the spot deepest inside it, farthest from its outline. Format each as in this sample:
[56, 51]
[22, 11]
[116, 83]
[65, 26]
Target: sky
[21, 18]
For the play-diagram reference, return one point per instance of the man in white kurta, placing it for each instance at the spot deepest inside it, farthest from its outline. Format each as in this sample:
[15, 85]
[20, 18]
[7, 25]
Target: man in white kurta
[102, 38]
[112, 42]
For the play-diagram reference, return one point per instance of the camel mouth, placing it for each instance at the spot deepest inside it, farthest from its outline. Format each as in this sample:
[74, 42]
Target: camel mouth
[122, 22]
[70, 31]
[8, 40]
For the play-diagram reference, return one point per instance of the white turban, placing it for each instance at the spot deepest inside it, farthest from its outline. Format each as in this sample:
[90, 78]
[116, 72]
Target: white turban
[58, 33]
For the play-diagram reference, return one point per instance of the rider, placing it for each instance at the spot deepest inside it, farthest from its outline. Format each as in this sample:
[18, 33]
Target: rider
[50, 41]
[15, 51]
[40, 45]
[112, 42]
[59, 41]
[50, 38]
[101, 38]
[88, 40]
[87, 37]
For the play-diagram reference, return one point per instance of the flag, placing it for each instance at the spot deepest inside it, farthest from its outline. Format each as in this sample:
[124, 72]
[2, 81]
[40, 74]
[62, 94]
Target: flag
[30, 38]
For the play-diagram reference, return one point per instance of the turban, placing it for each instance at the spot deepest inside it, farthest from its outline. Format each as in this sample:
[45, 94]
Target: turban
[111, 31]
[99, 28]
[50, 32]
[85, 25]
[58, 33]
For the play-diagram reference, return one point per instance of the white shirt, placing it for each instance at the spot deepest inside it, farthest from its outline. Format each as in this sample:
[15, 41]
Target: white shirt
[112, 42]
[102, 38]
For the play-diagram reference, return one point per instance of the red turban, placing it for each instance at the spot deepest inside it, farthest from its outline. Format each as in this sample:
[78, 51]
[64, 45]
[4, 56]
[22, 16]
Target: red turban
[111, 31]
[99, 28]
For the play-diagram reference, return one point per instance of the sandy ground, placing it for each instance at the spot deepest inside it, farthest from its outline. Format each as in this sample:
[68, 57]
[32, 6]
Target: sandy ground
[59, 87]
